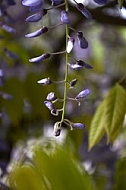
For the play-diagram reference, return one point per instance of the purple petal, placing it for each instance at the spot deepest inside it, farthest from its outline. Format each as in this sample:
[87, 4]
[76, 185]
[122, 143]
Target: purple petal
[87, 66]
[45, 81]
[51, 96]
[78, 125]
[83, 64]
[49, 105]
[74, 66]
[37, 33]
[70, 44]
[57, 129]
[82, 41]
[31, 2]
[11, 54]
[37, 16]
[40, 58]
[100, 2]
[36, 8]
[73, 82]
[84, 11]
[8, 28]
[56, 2]
[65, 17]
[83, 94]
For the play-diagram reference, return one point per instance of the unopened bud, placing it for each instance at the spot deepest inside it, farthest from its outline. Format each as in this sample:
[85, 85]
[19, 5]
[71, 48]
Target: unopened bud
[70, 44]
[73, 83]
[40, 58]
[82, 94]
[82, 41]
[84, 11]
[57, 129]
[51, 97]
[45, 81]
[65, 17]
[78, 125]
[31, 2]
[39, 32]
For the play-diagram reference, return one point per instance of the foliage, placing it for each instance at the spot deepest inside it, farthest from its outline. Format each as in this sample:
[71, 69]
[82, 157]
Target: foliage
[53, 166]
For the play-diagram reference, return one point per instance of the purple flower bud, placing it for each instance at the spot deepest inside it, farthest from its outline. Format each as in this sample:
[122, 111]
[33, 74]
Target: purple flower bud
[83, 64]
[56, 2]
[10, 54]
[70, 44]
[65, 17]
[37, 16]
[49, 105]
[82, 41]
[40, 58]
[87, 66]
[74, 66]
[100, 2]
[6, 96]
[57, 129]
[8, 29]
[73, 82]
[84, 11]
[31, 2]
[83, 94]
[45, 81]
[36, 7]
[39, 32]
[78, 125]
[51, 97]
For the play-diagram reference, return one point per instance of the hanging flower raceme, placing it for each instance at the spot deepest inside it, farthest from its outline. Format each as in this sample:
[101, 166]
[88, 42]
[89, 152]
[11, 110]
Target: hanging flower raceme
[37, 6]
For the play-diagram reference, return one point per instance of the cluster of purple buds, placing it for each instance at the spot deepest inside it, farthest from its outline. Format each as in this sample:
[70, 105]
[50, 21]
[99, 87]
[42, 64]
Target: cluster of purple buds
[38, 11]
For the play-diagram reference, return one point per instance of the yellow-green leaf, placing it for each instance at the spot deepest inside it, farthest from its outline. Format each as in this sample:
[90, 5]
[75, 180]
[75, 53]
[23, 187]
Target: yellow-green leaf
[120, 2]
[26, 177]
[97, 126]
[115, 107]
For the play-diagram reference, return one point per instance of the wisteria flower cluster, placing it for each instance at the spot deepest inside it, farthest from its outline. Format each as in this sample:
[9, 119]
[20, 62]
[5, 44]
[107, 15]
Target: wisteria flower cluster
[38, 11]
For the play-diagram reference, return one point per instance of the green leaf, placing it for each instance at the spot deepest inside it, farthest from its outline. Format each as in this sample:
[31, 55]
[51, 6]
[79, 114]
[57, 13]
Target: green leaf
[120, 175]
[26, 177]
[120, 2]
[115, 107]
[61, 169]
[97, 130]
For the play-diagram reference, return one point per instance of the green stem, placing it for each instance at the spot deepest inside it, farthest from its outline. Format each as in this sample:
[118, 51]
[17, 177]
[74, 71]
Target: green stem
[66, 71]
